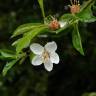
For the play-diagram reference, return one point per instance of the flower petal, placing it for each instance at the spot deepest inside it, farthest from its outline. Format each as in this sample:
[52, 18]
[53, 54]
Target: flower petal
[51, 46]
[36, 48]
[54, 57]
[48, 65]
[37, 60]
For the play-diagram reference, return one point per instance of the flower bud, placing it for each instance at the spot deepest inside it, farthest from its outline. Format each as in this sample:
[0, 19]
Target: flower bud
[54, 25]
[75, 7]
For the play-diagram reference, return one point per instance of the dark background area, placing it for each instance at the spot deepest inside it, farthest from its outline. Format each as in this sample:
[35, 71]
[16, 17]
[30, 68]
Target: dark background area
[73, 76]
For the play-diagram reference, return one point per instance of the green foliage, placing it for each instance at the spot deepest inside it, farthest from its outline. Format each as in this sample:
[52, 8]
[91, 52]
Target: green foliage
[25, 28]
[48, 19]
[67, 17]
[86, 15]
[76, 39]
[8, 66]
[27, 32]
[14, 59]
[7, 54]
[42, 7]
[31, 57]
[26, 39]
[27, 80]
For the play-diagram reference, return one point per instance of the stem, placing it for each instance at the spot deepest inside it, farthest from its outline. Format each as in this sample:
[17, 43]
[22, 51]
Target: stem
[43, 13]
[42, 7]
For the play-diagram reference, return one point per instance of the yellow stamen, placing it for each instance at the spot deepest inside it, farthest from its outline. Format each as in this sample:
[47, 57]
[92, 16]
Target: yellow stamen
[45, 56]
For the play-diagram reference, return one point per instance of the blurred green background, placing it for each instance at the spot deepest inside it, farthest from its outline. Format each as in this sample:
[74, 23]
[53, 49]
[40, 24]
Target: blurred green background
[75, 75]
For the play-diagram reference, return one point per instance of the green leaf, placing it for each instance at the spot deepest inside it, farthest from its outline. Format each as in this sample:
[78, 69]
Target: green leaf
[26, 39]
[8, 66]
[76, 39]
[67, 17]
[2, 58]
[86, 14]
[15, 42]
[25, 28]
[31, 56]
[7, 54]
[22, 60]
[42, 7]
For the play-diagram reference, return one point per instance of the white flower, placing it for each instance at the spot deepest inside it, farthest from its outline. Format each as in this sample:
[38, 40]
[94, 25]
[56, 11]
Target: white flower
[46, 55]
[62, 24]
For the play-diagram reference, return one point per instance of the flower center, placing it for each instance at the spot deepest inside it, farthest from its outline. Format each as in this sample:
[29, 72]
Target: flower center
[45, 56]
